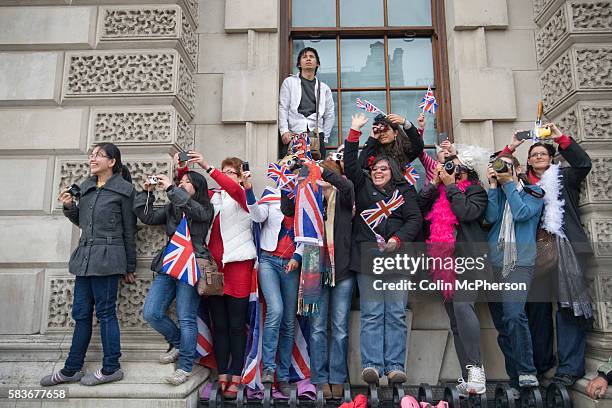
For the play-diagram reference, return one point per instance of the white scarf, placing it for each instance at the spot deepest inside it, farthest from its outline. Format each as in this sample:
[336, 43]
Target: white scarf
[552, 217]
[507, 238]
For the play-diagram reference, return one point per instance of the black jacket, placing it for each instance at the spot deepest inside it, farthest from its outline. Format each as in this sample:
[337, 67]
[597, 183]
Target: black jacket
[573, 176]
[199, 218]
[413, 146]
[469, 209]
[405, 222]
[343, 218]
[107, 245]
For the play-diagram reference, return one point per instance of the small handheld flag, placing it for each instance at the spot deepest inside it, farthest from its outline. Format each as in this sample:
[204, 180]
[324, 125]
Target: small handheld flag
[428, 103]
[179, 260]
[382, 209]
[411, 175]
[367, 106]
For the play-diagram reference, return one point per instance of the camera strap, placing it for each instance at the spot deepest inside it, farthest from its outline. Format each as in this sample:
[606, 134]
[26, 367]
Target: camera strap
[317, 97]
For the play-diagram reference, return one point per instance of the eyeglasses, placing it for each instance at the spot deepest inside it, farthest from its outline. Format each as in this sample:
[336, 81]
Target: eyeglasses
[538, 154]
[228, 172]
[97, 155]
[380, 168]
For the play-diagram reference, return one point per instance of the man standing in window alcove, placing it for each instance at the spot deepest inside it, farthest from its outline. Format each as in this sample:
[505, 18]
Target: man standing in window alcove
[300, 95]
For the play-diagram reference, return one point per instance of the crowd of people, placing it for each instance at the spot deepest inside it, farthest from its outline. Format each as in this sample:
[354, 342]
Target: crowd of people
[312, 239]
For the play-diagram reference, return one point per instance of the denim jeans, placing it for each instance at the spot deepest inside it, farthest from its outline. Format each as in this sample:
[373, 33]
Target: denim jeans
[101, 292]
[280, 290]
[383, 316]
[331, 368]
[510, 319]
[163, 291]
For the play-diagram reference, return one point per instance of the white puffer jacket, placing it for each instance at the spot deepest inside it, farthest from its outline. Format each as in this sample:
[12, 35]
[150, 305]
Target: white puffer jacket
[236, 228]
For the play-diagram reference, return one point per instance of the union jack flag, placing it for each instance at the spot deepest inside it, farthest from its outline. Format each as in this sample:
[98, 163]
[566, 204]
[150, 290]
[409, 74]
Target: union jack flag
[300, 146]
[428, 103]
[381, 210]
[179, 260]
[309, 225]
[279, 174]
[269, 195]
[367, 106]
[205, 354]
[411, 175]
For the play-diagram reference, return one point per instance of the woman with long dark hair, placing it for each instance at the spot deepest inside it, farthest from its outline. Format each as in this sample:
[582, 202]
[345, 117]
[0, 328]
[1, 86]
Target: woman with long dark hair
[383, 315]
[188, 197]
[561, 227]
[106, 253]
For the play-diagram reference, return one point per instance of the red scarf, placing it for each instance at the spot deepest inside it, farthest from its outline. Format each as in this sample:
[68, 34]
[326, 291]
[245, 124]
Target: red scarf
[442, 238]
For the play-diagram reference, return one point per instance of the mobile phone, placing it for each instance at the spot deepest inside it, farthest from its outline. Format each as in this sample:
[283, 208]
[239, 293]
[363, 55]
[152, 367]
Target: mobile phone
[524, 134]
[245, 166]
[183, 157]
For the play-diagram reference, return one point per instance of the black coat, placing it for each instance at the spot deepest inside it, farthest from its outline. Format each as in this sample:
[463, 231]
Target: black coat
[413, 146]
[343, 218]
[107, 245]
[469, 209]
[199, 218]
[405, 222]
[573, 176]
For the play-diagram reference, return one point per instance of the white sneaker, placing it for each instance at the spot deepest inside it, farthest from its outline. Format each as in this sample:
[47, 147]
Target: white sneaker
[178, 377]
[462, 388]
[476, 383]
[169, 356]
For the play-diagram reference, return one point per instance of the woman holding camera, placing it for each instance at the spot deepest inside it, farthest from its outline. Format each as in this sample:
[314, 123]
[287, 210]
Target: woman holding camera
[188, 197]
[560, 226]
[514, 209]
[455, 203]
[393, 136]
[231, 245]
[383, 315]
[106, 253]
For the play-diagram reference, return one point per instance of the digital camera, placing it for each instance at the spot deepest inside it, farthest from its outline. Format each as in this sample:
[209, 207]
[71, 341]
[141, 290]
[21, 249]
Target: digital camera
[74, 191]
[500, 166]
[153, 180]
[449, 167]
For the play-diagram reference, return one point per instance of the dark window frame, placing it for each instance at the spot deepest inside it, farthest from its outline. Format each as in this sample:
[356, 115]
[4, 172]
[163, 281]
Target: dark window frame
[437, 33]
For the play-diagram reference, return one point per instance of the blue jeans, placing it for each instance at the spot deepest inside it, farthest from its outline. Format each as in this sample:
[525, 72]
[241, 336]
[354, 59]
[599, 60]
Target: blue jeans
[161, 294]
[383, 316]
[510, 319]
[280, 289]
[332, 369]
[101, 292]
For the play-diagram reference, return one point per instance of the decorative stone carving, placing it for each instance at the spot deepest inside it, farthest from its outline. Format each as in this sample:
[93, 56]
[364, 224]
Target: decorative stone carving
[191, 6]
[596, 187]
[551, 33]
[594, 67]
[77, 171]
[539, 6]
[568, 123]
[592, 16]
[153, 22]
[556, 81]
[130, 303]
[149, 240]
[597, 122]
[140, 126]
[602, 237]
[143, 73]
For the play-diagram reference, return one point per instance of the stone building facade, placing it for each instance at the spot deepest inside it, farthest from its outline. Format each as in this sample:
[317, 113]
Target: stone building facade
[157, 76]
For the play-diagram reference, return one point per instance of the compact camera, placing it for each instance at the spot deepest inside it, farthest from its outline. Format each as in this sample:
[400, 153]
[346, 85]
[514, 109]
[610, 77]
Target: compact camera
[74, 191]
[293, 163]
[153, 180]
[536, 133]
[336, 156]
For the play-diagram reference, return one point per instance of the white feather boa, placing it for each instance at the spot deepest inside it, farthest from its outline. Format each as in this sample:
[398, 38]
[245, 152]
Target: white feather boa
[552, 218]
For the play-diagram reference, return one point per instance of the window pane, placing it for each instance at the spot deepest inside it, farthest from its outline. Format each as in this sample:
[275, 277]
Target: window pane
[362, 62]
[409, 12]
[327, 55]
[406, 103]
[313, 13]
[361, 13]
[410, 62]
[333, 137]
[348, 109]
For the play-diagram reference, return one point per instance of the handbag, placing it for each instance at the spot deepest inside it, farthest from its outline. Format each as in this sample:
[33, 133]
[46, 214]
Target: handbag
[211, 280]
[547, 255]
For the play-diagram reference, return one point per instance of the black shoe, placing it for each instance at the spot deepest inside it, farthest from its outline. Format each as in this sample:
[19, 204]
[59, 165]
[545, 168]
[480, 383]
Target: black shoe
[565, 379]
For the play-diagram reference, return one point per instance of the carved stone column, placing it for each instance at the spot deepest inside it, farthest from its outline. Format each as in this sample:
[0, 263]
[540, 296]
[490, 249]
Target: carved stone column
[574, 48]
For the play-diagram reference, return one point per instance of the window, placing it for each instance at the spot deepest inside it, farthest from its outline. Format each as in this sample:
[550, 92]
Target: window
[385, 51]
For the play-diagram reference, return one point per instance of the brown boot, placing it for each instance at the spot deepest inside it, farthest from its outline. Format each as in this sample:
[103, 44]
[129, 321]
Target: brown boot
[396, 377]
[327, 392]
[337, 391]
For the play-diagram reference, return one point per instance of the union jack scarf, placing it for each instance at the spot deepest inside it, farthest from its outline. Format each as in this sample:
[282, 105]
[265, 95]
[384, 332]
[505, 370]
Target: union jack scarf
[381, 210]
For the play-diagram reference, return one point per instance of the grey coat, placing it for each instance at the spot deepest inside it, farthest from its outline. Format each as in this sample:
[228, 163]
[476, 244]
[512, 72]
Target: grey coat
[199, 218]
[107, 245]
